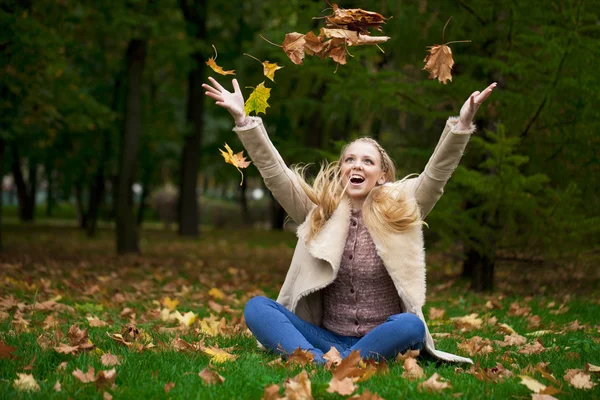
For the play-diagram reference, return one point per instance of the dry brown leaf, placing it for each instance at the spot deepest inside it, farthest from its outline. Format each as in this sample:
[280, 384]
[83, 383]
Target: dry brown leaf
[579, 379]
[298, 388]
[333, 357]
[211, 376]
[314, 44]
[293, 45]
[434, 384]
[351, 38]
[96, 322]
[216, 307]
[87, 377]
[476, 346]
[436, 313]
[592, 368]
[439, 63]
[542, 368]
[344, 387]
[349, 367]
[66, 349]
[26, 383]
[537, 396]
[106, 378]
[512, 340]
[271, 392]
[107, 396]
[408, 354]
[532, 384]
[467, 322]
[534, 348]
[6, 351]
[412, 370]
[109, 360]
[366, 395]
[62, 366]
[516, 310]
[355, 19]
[493, 304]
[494, 374]
[29, 366]
[169, 386]
[50, 322]
[57, 387]
[300, 357]
[534, 321]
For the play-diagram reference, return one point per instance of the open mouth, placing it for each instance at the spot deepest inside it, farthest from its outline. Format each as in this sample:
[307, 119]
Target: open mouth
[356, 179]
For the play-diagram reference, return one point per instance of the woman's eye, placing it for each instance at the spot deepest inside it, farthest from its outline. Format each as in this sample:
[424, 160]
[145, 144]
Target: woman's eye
[349, 159]
[369, 161]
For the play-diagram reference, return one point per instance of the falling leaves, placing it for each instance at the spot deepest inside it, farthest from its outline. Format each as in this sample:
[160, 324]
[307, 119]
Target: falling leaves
[238, 160]
[257, 101]
[439, 63]
[219, 70]
[355, 19]
[268, 68]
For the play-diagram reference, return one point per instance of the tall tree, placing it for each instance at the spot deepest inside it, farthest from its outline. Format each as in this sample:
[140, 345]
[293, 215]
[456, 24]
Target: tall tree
[194, 12]
[127, 235]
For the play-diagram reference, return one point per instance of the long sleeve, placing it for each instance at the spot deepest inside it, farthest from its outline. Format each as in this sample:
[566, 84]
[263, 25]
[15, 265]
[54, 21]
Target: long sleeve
[278, 178]
[429, 185]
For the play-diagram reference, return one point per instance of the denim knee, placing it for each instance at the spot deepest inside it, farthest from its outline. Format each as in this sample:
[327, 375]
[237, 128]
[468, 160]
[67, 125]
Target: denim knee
[253, 308]
[411, 321]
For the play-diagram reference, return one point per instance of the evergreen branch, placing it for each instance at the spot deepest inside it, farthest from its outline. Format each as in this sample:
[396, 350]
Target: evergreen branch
[469, 9]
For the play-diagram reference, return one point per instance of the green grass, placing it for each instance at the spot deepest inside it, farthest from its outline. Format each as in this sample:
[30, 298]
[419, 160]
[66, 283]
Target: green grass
[40, 263]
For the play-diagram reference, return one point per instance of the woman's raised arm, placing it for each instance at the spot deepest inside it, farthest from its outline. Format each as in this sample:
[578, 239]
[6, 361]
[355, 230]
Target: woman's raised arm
[429, 186]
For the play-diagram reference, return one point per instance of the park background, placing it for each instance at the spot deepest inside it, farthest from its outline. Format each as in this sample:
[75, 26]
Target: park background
[109, 149]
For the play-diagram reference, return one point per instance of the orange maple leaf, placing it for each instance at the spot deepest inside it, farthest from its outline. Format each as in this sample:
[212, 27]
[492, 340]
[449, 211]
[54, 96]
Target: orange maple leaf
[237, 160]
[219, 70]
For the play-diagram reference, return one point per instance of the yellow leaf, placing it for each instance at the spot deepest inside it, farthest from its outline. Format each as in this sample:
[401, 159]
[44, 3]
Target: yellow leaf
[215, 292]
[219, 70]
[237, 160]
[257, 101]
[186, 319]
[269, 69]
[218, 356]
[170, 304]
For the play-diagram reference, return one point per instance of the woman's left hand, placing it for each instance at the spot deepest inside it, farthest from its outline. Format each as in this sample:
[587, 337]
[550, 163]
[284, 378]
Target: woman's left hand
[469, 109]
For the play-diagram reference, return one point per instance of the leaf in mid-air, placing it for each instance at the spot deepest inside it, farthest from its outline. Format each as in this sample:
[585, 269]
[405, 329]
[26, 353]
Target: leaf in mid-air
[257, 101]
[237, 160]
[269, 69]
[439, 63]
[219, 70]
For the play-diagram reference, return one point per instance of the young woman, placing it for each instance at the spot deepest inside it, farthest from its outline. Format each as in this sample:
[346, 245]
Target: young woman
[357, 278]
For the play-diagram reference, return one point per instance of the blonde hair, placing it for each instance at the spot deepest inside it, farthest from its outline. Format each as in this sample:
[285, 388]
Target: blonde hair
[386, 208]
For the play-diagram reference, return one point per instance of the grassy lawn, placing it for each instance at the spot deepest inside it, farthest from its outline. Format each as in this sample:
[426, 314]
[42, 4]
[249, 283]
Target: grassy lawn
[54, 278]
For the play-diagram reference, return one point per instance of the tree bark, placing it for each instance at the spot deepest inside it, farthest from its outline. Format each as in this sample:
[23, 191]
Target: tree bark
[96, 199]
[194, 12]
[81, 212]
[26, 195]
[49, 192]
[127, 235]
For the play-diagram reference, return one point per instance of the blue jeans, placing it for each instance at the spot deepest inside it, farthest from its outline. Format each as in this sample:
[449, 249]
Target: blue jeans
[281, 331]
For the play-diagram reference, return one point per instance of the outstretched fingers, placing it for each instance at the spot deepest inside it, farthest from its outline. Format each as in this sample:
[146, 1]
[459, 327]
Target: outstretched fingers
[236, 86]
[486, 92]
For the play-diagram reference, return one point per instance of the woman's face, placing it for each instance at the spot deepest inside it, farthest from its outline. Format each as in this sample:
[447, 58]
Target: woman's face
[361, 165]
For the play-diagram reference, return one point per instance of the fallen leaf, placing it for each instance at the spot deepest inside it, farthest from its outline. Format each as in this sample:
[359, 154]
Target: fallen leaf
[412, 370]
[170, 304]
[105, 378]
[493, 304]
[434, 384]
[468, 322]
[408, 354]
[29, 366]
[476, 346]
[507, 329]
[109, 360]
[512, 340]
[579, 379]
[57, 387]
[218, 356]
[66, 349]
[494, 374]
[366, 395]
[211, 376]
[436, 313]
[26, 383]
[219, 70]
[349, 367]
[62, 366]
[534, 348]
[344, 387]
[216, 307]
[532, 384]
[271, 392]
[592, 368]
[87, 377]
[533, 321]
[298, 387]
[516, 310]
[439, 63]
[107, 396]
[300, 357]
[95, 322]
[6, 351]
[333, 357]
[169, 386]
[257, 101]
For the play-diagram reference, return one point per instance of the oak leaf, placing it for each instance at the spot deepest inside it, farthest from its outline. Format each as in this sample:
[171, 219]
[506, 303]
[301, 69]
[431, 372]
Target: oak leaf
[237, 160]
[257, 101]
[219, 70]
[26, 383]
[439, 63]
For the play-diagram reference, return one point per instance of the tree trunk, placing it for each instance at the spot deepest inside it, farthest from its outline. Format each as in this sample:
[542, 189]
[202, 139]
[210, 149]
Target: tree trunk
[2, 145]
[194, 12]
[49, 192]
[277, 213]
[127, 235]
[83, 217]
[96, 199]
[26, 210]
[482, 266]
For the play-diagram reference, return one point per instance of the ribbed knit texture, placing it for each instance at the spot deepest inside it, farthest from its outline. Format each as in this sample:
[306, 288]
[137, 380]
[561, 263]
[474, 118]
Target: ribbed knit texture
[363, 295]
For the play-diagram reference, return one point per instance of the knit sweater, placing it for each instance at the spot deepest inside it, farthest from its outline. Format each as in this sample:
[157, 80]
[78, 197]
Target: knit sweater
[363, 294]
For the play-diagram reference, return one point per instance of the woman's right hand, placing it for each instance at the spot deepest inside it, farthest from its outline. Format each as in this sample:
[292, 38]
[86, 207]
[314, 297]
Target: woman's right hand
[232, 102]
